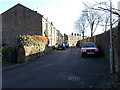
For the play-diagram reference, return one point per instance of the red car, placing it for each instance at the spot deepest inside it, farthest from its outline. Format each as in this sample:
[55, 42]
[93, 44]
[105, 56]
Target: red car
[89, 48]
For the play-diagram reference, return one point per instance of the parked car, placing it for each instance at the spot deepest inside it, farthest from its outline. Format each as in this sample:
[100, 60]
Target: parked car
[61, 46]
[66, 44]
[89, 48]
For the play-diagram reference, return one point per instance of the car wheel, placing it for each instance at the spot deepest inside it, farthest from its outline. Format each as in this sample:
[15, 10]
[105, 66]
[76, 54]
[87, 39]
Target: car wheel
[63, 48]
[83, 55]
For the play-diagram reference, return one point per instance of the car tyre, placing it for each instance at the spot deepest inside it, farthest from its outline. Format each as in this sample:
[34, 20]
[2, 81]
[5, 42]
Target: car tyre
[83, 55]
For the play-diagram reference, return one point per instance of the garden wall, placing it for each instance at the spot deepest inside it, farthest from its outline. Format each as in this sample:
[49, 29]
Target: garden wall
[30, 47]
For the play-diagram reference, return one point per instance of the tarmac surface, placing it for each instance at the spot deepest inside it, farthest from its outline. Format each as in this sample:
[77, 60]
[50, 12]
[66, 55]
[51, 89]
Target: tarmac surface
[59, 69]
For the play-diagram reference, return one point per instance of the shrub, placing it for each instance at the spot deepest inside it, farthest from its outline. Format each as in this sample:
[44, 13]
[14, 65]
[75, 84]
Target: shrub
[46, 33]
[5, 49]
[32, 40]
[43, 39]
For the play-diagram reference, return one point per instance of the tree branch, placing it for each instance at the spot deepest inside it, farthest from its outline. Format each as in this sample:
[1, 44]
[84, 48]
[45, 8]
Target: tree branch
[110, 11]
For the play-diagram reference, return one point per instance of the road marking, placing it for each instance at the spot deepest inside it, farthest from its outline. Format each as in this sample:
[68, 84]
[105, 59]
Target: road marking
[70, 77]
[73, 78]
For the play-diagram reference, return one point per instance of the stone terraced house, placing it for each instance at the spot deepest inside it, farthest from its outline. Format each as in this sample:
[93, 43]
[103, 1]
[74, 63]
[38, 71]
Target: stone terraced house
[20, 20]
[73, 39]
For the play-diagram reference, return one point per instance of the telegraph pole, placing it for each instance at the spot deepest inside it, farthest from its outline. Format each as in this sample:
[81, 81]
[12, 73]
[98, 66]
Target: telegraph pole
[111, 43]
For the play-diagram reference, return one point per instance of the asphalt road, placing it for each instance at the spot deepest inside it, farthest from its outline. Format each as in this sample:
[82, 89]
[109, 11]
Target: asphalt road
[59, 69]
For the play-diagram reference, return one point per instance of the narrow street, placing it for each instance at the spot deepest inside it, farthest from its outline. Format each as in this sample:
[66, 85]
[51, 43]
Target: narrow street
[59, 69]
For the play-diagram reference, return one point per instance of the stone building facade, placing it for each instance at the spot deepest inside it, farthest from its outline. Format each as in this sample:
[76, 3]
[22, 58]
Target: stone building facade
[72, 39]
[60, 37]
[20, 20]
[53, 34]
[65, 37]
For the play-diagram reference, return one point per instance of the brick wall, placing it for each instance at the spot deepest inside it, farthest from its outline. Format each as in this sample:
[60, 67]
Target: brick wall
[20, 20]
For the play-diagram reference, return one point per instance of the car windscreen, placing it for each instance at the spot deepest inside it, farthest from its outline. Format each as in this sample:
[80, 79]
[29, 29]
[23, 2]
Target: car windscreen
[88, 45]
[65, 43]
[60, 45]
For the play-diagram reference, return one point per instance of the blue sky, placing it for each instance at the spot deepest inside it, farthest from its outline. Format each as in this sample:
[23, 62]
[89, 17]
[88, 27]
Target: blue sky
[63, 13]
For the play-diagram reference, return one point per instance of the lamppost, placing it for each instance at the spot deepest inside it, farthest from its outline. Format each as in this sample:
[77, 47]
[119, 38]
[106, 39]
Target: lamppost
[111, 43]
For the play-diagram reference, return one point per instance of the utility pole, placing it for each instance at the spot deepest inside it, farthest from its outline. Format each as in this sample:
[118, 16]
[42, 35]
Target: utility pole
[111, 43]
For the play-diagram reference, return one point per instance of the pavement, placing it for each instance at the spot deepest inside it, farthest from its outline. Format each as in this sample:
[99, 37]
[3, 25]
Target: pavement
[8, 65]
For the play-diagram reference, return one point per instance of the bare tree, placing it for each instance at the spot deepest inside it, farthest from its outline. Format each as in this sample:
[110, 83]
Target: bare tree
[106, 17]
[105, 21]
[94, 18]
[98, 14]
[104, 9]
[81, 24]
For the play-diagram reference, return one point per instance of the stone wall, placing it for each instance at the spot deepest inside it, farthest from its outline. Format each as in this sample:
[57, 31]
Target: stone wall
[30, 47]
[30, 53]
[0, 30]
[20, 20]
[103, 42]
[118, 48]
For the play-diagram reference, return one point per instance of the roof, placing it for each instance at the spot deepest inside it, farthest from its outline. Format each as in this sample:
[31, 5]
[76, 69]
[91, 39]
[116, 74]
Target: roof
[19, 5]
